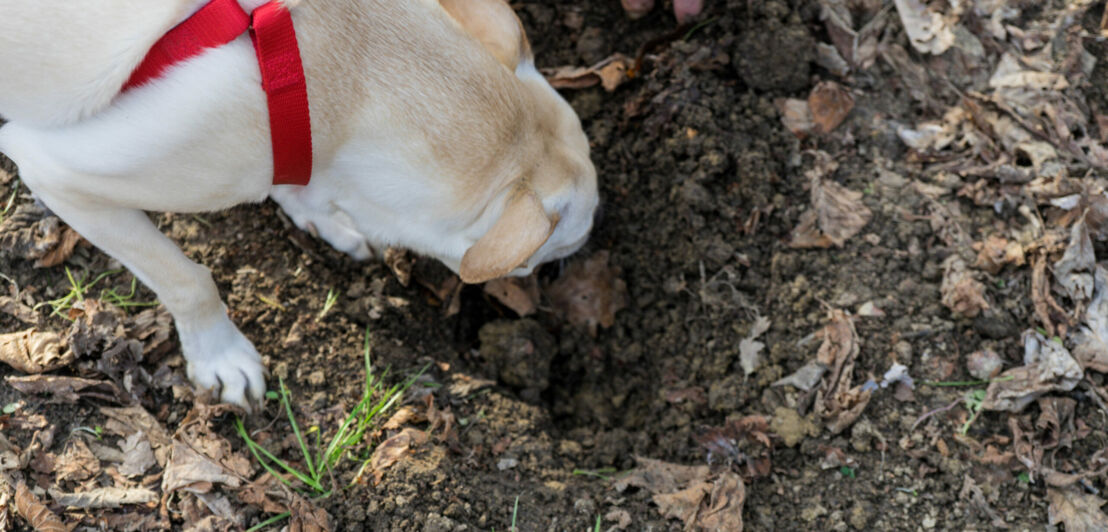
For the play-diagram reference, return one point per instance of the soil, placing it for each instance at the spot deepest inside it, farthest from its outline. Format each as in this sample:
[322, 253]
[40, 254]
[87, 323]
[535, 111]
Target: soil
[702, 186]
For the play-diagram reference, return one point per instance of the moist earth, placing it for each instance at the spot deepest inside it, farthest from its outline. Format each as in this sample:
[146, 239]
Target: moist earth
[702, 187]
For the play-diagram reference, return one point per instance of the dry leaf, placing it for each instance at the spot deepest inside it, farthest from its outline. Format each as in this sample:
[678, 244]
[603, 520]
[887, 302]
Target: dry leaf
[796, 116]
[589, 293]
[1091, 340]
[392, 450]
[609, 73]
[37, 514]
[103, 497]
[1010, 74]
[928, 31]
[464, 385]
[32, 351]
[804, 378]
[689, 493]
[837, 213]
[750, 348]
[1079, 511]
[1048, 366]
[138, 455]
[77, 463]
[996, 252]
[129, 420]
[1074, 271]
[306, 517]
[961, 292]
[521, 294]
[61, 252]
[190, 470]
[683, 504]
[401, 263]
[829, 104]
[67, 389]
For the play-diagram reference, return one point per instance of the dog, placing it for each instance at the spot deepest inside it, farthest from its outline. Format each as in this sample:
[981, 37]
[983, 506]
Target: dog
[431, 130]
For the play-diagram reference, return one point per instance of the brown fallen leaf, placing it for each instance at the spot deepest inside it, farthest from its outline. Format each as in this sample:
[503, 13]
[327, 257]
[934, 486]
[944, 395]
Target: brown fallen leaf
[103, 497]
[33, 351]
[190, 470]
[12, 306]
[796, 116]
[129, 420]
[930, 32]
[1079, 511]
[30, 233]
[1048, 366]
[307, 517]
[138, 455]
[589, 293]
[77, 463]
[401, 263]
[683, 504]
[996, 252]
[837, 213]
[521, 294]
[67, 389]
[390, 451]
[829, 104]
[61, 252]
[692, 494]
[609, 73]
[750, 348]
[37, 514]
[961, 292]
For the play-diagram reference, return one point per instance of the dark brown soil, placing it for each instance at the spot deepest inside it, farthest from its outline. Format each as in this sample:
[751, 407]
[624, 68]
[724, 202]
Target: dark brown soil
[689, 154]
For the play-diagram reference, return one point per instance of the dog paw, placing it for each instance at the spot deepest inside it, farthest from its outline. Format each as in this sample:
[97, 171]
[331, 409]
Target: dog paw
[223, 361]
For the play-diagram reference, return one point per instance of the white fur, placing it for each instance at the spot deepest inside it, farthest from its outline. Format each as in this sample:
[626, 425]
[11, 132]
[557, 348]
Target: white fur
[197, 139]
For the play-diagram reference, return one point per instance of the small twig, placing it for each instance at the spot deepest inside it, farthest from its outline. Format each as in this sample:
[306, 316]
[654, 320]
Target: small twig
[946, 408]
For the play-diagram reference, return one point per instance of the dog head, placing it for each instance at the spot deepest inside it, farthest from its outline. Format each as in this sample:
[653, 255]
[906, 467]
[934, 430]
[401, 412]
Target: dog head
[546, 213]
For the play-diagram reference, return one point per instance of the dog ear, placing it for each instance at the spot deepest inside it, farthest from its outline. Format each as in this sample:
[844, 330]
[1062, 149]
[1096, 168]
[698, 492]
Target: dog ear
[494, 25]
[522, 229]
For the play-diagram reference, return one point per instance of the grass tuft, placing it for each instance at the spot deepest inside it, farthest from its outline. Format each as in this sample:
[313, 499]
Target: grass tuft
[376, 400]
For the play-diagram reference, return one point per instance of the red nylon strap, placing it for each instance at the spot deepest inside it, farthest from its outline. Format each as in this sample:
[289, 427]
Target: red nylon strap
[286, 88]
[216, 24]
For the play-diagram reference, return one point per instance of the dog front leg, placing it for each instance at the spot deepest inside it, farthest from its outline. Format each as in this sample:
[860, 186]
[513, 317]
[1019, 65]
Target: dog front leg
[219, 357]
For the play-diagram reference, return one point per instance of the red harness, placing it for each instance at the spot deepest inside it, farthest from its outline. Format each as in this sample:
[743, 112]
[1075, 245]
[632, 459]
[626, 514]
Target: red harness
[271, 30]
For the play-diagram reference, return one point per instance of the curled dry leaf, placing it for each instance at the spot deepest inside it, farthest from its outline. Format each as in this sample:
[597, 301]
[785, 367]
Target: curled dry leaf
[31, 234]
[129, 420]
[307, 517]
[796, 116]
[837, 213]
[928, 31]
[961, 292]
[1091, 340]
[33, 351]
[103, 497]
[829, 104]
[67, 389]
[750, 348]
[188, 469]
[521, 294]
[589, 293]
[390, 451]
[138, 455]
[77, 463]
[609, 73]
[37, 514]
[1074, 271]
[690, 493]
[1079, 511]
[401, 263]
[996, 252]
[806, 378]
[1048, 367]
